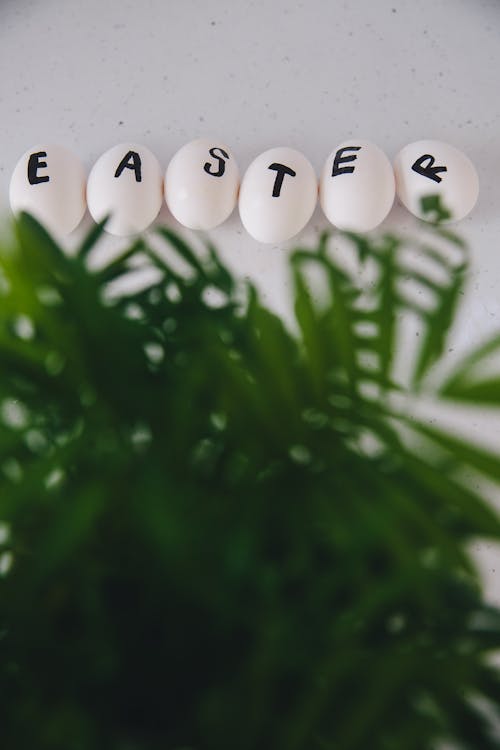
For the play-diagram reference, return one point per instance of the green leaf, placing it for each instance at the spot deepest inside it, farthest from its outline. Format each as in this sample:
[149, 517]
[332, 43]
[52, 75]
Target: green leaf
[91, 238]
[232, 539]
[483, 392]
[465, 372]
[461, 452]
[437, 325]
[434, 210]
[387, 308]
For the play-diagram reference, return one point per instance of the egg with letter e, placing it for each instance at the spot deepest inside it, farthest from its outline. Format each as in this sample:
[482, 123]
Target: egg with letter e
[126, 184]
[433, 169]
[357, 186]
[49, 182]
[278, 195]
[201, 184]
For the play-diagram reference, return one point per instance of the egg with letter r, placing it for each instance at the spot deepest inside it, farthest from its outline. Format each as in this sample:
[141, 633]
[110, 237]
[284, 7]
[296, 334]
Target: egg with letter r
[429, 173]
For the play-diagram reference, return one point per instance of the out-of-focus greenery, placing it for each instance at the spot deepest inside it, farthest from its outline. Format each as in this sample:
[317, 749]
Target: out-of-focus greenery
[220, 534]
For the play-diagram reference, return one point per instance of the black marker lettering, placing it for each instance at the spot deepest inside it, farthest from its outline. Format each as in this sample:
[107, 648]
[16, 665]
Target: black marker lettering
[34, 164]
[340, 159]
[428, 170]
[131, 160]
[281, 171]
[222, 164]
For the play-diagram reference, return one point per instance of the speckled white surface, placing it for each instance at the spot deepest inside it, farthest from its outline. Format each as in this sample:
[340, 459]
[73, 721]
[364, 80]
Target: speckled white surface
[260, 74]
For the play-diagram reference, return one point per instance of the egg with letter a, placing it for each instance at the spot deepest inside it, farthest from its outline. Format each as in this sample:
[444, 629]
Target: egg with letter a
[357, 186]
[126, 184]
[49, 182]
[278, 195]
[201, 184]
[433, 169]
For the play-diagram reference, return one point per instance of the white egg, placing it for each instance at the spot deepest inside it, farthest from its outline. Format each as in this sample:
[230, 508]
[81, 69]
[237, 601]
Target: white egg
[49, 182]
[201, 184]
[278, 195]
[357, 186]
[432, 168]
[126, 184]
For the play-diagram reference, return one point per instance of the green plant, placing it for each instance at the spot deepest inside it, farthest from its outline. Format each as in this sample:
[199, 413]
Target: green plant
[222, 534]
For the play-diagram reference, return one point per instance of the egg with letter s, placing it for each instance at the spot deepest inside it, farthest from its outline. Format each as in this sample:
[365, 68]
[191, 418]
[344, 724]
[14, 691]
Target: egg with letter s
[48, 181]
[357, 186]
[278, 195]
[126, 185]
[432, 169]
[201, 184]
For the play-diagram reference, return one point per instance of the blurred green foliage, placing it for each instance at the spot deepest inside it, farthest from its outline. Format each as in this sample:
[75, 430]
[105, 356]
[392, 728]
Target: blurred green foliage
[220, 534]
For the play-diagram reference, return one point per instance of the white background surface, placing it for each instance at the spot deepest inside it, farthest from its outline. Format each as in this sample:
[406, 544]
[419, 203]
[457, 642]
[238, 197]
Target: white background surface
[90, 74]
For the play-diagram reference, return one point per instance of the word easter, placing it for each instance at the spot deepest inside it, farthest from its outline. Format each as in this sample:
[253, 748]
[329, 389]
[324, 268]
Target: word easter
[276, 197]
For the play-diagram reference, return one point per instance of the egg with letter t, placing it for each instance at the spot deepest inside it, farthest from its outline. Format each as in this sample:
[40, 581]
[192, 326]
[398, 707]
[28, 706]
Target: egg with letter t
[278, 195]
[433, 169]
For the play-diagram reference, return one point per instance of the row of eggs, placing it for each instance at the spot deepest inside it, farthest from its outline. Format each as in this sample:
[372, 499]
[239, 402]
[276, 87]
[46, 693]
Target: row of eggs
[276, 197]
